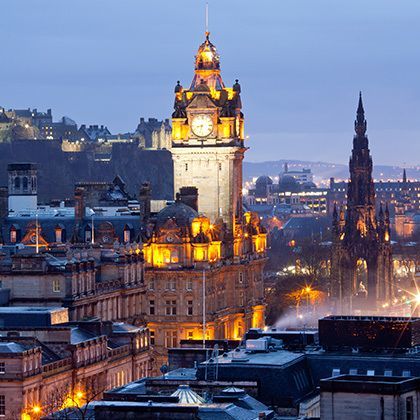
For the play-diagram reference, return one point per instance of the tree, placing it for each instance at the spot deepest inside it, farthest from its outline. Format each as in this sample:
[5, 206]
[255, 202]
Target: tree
[69, 402]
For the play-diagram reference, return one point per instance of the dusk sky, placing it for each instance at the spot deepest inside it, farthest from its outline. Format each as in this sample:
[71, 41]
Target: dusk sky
[301, 64]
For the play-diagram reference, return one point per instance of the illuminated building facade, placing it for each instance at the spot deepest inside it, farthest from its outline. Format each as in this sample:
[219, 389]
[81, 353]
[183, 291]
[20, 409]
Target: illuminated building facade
[49, 366]
[361, 256]
[204, 251]
[208, 139]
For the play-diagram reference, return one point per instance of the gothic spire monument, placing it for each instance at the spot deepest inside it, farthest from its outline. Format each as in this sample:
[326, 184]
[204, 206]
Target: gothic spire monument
[208, 138]
[361, 262]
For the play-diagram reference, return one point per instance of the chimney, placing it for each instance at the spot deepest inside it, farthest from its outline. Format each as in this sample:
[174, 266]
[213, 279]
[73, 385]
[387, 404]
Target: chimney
[79, 204]
[4, 199]
[189, 196]
[332, 181]
[144, 201]
[141, 120]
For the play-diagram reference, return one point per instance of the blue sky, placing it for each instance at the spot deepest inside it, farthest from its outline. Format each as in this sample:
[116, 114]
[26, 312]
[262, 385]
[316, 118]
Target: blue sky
[301, 64]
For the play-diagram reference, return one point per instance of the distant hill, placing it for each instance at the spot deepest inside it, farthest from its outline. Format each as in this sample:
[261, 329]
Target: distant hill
[324, 170]
[59, 171]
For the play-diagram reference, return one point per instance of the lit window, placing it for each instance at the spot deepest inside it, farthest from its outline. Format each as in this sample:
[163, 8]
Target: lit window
[13, 236]
[152, 337]
[171, 338]
[56, 285]
[127, 235]
[2, 368]
[58, 235]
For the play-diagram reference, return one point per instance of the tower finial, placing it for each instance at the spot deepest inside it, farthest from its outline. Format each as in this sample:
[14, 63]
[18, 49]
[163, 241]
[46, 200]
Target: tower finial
[207, 21]
[360, 124]
[404, 176]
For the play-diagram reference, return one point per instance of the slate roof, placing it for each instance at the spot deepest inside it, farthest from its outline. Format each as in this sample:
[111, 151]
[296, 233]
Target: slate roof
[180, 212]
[13, 347]
[79, 335]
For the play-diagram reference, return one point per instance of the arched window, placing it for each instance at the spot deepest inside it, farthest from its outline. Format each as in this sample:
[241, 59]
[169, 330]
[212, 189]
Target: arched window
[17, 182]
[128, 230]
[14, 234]
[60, 234]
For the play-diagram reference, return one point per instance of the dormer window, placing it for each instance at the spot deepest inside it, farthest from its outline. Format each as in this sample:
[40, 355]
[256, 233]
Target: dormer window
[128, 231]
[14, 234]
[60, 234]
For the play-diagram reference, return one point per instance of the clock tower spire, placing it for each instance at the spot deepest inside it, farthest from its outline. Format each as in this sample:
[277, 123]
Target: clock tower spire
[208, 138]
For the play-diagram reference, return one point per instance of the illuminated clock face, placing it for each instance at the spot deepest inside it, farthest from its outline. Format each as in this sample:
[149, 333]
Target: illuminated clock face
[202, 125]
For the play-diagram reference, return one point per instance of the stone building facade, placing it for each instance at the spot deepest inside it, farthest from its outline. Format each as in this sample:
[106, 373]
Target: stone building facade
[43, 369]
[208, 138]
[204, 256]
[102, 283]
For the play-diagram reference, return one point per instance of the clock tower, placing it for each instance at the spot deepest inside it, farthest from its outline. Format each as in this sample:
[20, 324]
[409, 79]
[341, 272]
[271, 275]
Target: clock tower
[208, 139]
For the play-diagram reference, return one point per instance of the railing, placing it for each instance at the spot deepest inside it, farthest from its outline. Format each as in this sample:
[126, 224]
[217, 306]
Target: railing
[118, 352]
[56, 367]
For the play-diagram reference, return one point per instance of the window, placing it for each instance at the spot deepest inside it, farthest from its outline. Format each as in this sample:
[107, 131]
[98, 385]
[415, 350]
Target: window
[241, 298]
[370, 373]
[409, 412]
[127, 235]
[406, 373]
[353, 372]
[58, 235]
[189, 307]
[25, 183]
[17, 182]
[241, 277]
[152, 337]
[171, 284]
[152, 284]
[220, 166]
[56, 285]
[171, 338]
[186, 166]
[2, 368]
[335, 372]
[189, 284]
[88, 235]
[2, 405]
[190, 335]
[151, 307]
[388, 373]
[13, 236]
[171, 307]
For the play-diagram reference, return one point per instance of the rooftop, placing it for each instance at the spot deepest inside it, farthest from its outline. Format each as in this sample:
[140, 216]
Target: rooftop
[387, 385]
[242, 356]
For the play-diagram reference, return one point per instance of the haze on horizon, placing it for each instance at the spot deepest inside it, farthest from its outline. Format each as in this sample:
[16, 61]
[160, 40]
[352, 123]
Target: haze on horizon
[301, 65]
